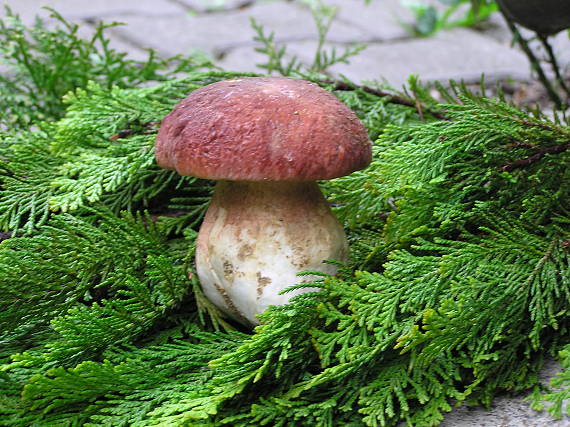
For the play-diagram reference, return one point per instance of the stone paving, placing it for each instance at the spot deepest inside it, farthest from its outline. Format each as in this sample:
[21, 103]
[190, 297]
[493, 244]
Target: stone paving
[222, 30]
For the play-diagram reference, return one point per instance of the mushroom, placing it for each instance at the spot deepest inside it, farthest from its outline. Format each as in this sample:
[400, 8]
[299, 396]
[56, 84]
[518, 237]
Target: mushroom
[267, 140]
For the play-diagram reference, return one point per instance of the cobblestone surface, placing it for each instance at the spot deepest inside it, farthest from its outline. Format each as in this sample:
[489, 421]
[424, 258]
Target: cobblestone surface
[218, 33]
[432, 59]
[507, 411]
[221, 29]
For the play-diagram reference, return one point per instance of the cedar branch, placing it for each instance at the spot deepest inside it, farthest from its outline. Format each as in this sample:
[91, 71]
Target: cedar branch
[393, 99]
[541, 152]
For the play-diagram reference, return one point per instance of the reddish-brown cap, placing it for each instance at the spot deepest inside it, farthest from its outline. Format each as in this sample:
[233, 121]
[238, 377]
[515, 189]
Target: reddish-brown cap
[262, 128]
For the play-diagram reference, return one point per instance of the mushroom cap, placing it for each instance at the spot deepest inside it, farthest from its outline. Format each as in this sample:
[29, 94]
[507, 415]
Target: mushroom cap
[262, 128]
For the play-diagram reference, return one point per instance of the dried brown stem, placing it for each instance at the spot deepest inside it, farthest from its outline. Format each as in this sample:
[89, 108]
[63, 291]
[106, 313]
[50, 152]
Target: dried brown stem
[147, 128]
[538, 125]
[541, 152]
[393, 99]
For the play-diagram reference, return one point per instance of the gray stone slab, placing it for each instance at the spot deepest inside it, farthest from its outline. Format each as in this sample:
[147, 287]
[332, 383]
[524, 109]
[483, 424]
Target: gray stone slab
[244, 59]
[220, 32]
[86, 30]
[496, 28]
[216, 6]
[247, 59]
[90, 9]
[122, 46]
[380, 19]
[560, 45]
[508, 411]
[453, 54]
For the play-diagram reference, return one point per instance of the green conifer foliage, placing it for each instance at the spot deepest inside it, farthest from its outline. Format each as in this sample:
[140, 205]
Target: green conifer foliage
[457, 288]
[45, 64]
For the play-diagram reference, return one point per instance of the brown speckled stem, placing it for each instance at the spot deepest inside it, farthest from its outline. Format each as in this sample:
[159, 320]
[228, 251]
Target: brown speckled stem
[257, 236]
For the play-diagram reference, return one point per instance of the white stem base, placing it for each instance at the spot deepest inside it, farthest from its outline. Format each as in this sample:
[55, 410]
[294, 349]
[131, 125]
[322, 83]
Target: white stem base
[257, 236]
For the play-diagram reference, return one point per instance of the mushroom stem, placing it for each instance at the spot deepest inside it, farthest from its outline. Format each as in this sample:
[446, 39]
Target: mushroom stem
[256, 237]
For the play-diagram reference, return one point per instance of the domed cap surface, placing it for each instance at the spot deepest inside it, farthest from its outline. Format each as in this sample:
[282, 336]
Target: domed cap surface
[262, 128]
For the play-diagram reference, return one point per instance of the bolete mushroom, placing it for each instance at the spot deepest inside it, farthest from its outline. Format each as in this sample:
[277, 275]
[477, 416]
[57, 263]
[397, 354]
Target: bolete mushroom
[266, 140]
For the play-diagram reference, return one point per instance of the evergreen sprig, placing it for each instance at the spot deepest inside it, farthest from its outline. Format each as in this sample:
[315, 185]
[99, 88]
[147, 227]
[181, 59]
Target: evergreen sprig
[87, 157]
[456, 290]
[86, 294]
[44, 64]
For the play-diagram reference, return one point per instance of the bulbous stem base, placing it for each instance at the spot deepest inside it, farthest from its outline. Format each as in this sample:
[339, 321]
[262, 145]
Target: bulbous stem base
[256, 237]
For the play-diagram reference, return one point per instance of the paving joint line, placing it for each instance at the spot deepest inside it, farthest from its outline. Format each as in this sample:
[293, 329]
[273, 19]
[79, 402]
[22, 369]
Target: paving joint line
[243, 5]
[125, 13]
[120, 36]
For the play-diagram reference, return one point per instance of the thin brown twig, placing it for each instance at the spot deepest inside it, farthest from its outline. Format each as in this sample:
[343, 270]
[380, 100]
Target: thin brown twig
[535, 124]
[541, 152]
[147, 128]
[519, 144]
[393, 99]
